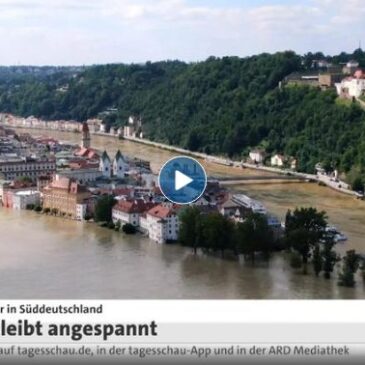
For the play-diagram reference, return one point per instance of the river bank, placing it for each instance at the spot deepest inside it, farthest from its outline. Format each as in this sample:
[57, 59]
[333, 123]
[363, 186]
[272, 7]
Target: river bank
[324, 180]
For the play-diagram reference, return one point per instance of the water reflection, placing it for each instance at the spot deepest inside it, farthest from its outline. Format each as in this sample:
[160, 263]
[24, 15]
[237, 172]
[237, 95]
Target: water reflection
[52, 258]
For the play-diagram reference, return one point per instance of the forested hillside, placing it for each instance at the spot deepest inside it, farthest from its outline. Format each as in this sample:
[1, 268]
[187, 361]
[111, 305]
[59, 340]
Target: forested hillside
[222, 105]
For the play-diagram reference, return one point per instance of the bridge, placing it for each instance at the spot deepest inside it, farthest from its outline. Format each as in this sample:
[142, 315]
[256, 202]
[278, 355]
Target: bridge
[258, 179]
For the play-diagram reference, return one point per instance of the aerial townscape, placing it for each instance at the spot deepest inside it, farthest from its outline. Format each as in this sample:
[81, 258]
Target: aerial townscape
[43, 174]
[280, 135]
[121, 193]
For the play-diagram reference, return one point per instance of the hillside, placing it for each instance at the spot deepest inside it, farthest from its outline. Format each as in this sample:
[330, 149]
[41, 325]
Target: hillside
[222, 105]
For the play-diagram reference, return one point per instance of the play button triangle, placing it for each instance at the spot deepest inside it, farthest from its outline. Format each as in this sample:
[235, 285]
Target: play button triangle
[181, 180]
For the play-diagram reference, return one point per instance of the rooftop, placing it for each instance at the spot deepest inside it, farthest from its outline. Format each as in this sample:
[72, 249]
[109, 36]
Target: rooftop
[133, 206]
[163, 211]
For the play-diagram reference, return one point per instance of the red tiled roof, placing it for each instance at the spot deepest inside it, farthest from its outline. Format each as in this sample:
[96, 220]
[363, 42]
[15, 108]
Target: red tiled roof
[82, 164]
[122, 191]
[87, 152]
[163, 211]
[359, 74]
[64, 183]
[133, 206]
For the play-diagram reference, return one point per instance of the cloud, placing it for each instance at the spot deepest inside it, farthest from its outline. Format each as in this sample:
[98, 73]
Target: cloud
[95, 31]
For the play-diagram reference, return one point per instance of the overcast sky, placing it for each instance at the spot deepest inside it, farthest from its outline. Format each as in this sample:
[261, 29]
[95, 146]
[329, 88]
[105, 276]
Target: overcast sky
[64, 32]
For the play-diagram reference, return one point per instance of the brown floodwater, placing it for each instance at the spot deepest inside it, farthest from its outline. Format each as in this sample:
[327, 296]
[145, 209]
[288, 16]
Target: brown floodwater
[51, 258]
[346, 213]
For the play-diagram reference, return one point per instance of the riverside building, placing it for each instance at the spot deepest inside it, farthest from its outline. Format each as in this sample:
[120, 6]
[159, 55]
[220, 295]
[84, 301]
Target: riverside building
[16, 167]
[66, 197]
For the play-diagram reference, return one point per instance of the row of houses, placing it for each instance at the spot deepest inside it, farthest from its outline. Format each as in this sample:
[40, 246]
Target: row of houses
[73, 191]
[18, 195]
[132, 129]
[159, 222]
[36, 123]
[15, 167]
[259, 156]
[65, 196]
[322, 74]
[349, 81]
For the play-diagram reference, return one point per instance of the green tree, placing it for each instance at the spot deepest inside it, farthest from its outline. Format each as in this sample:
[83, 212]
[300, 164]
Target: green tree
[350, 265]
[129, 228]
[217, 232]
[190, 227]
[111, 225]
[37, 208]
[221, 105]
[329, 257]
[103, 208]
[54, 211]
[295, 260]
[317, 260]
[358, 184]
[254, 235]
[304, 229]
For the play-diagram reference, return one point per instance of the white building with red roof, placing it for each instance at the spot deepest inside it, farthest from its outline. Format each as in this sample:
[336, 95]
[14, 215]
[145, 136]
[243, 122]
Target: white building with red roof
[162, 223]
[130, 211]
[352, 86]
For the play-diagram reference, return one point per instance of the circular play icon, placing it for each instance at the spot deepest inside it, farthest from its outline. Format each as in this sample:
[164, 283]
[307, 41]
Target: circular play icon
[182, 180]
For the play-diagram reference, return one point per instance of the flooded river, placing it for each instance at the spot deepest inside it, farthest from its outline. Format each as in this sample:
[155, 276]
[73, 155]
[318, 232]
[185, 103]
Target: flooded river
[50, 258]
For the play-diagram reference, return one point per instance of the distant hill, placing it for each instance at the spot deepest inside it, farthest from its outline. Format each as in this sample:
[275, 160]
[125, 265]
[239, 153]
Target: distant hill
[21, 73]
[222, 105]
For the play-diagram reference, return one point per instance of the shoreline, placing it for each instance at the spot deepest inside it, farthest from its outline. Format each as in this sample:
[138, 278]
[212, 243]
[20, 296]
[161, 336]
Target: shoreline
[213, 159]
[240, 260]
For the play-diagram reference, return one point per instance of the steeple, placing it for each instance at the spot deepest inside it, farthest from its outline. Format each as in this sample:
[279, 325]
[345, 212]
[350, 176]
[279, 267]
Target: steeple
[105, 156]
[119, 155]
[105, 165]
[85, 142]
[120, 166]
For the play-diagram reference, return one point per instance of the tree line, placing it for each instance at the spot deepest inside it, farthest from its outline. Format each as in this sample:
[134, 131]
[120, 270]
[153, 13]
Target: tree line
[306, 240]
[222, 106]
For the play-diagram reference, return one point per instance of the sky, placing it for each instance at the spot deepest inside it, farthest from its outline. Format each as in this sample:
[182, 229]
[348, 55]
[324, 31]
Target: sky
[78, 32]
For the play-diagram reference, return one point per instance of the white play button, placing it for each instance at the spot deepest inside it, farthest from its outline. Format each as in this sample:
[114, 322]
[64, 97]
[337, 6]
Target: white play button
[181, 180]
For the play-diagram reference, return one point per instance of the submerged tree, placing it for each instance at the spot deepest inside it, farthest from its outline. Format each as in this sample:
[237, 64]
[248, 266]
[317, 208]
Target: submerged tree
[254, 235]
[329, 257]
[304, 229]
[103, 208]
[317, 260]
[350, 265]
[217, 232]
[190, 228]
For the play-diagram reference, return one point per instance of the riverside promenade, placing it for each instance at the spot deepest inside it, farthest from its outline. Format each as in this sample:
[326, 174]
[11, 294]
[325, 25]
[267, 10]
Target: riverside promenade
[287, 175]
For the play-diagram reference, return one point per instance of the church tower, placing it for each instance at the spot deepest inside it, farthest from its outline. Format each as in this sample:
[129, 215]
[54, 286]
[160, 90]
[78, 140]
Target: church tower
[105, 165]
[85, 142]
[120, 166]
